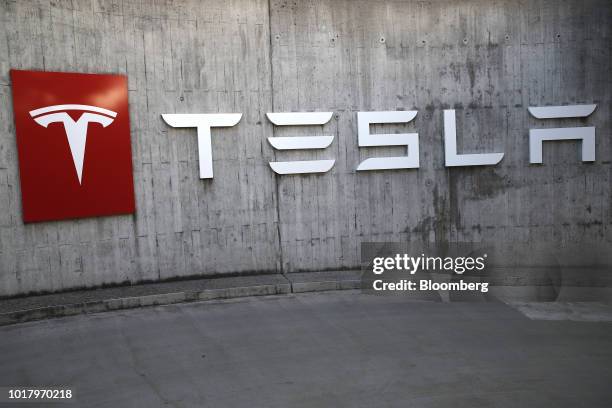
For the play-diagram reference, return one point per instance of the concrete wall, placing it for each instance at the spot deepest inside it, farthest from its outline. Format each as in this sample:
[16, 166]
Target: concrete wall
[489, 60]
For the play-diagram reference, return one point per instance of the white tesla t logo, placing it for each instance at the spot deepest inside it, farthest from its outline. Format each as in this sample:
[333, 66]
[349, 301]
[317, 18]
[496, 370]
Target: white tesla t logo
[76, 132]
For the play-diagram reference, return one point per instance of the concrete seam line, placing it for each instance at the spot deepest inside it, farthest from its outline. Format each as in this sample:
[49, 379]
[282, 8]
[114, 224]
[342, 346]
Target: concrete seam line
[288, 281]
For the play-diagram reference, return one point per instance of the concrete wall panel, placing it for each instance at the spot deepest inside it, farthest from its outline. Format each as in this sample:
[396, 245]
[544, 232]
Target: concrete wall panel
[187, 57]
[487, 60]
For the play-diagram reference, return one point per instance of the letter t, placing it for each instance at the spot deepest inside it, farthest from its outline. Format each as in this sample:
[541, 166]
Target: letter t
[203, 122]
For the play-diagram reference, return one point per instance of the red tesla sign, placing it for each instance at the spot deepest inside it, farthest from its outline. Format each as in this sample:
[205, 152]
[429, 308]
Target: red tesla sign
[73, 140]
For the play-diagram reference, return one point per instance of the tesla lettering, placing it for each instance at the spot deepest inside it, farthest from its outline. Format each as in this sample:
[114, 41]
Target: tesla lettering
[203, 122]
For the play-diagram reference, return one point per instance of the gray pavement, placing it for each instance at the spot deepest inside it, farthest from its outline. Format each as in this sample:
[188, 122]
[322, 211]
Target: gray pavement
[340, 349]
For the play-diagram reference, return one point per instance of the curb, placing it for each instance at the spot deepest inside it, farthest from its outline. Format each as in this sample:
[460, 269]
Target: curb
[108, 305]
[131, 302]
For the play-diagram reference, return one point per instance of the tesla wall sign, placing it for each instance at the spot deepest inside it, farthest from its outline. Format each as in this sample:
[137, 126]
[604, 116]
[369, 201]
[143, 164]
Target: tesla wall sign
[73, 141]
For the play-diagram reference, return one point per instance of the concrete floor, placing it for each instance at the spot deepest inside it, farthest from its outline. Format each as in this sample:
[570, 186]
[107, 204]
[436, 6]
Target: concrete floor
[340, 349]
